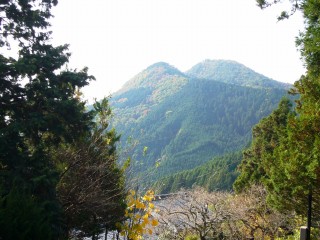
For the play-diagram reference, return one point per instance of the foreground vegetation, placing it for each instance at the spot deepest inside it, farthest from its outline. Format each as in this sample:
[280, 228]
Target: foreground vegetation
[58, 172]
[284, 155]
[198, 214]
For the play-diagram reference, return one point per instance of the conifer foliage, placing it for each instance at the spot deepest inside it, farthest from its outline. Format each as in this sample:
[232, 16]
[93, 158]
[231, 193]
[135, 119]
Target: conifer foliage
[259, 157]
[91, 185]
[290, 166]
[40, 112]
[299, 152]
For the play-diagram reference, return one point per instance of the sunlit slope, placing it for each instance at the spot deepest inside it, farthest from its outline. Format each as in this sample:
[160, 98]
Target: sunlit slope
[232, 72]
[186, 120]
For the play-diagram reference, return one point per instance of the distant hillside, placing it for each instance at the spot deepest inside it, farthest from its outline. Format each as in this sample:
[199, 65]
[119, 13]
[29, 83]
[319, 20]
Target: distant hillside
[234, 73]
[217, 174]
[185, 120]
[154, 84]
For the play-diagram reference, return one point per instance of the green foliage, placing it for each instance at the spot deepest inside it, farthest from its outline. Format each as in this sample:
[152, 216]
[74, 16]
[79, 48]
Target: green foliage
[41, 114]
[196, 120]
[22, 217]
[285, 14]
[299, 155]
[156, 77]
[24, 20]
[292, 165]
[303, 140]
[91, 185]
[233, 73]
[259, 158]
[217, 174]
[36, 118]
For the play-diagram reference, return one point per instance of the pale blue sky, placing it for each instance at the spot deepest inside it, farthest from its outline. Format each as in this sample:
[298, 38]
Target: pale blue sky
[117, 39]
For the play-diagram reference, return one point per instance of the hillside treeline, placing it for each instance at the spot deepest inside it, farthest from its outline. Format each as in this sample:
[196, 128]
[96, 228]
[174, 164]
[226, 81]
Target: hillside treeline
[217, 174]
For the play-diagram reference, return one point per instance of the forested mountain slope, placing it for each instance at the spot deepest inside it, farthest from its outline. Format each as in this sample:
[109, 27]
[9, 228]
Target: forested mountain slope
[185, 120]
[232, 72]
[215, 175]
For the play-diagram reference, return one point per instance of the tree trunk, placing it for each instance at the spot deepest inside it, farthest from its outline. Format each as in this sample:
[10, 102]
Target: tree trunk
[106, 235]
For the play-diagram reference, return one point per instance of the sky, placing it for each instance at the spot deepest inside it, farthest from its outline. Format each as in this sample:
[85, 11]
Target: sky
[117, 39]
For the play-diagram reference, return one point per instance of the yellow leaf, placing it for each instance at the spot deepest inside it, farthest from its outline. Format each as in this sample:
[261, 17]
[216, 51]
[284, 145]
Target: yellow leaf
[140, 205]
[147, 198]
[132, 192]
[150, 192]
[154, 222]
[150, 231]
[146, 221]
[139, 228]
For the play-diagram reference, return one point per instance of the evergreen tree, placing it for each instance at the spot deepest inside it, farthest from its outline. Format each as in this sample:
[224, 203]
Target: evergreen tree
[91, 186]
[258, 158]
[40, 111]
[298, 154]
[295, 167]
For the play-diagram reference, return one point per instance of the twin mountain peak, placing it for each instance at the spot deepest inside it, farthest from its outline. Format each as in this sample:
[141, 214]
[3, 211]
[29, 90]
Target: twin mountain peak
[188, 118]
[225, 71]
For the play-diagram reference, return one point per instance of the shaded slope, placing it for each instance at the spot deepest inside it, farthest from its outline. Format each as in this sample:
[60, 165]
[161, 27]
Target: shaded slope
[217, 174]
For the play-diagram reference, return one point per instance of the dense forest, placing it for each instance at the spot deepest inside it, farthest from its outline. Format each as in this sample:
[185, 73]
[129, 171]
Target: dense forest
[234, 73]
[218, 174]
[185, 121]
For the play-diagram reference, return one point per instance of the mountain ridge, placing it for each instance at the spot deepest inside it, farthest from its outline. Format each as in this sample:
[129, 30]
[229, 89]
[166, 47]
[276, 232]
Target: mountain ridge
[151, 76]
[185, 121]
[208, 69]
[230, 71]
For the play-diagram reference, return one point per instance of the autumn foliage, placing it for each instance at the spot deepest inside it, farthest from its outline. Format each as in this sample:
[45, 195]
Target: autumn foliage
[139, 215]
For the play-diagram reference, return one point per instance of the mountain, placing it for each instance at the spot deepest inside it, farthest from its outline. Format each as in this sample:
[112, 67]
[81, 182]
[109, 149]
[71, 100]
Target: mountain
[185, 119]
[234, 73]
[155, 76]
